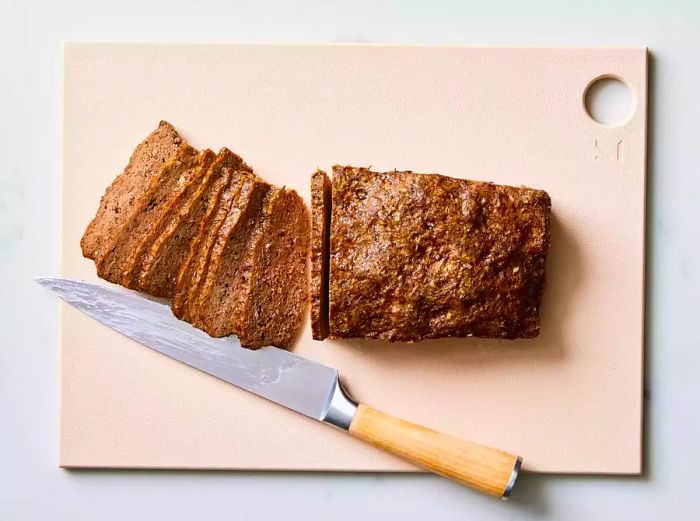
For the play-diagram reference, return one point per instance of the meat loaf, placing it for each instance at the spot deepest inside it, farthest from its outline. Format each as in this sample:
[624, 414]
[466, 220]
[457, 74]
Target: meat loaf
[273, 297]
[117, 202]
[416, 256]
[222, 284]
[157, 270]
[164, 190]
[195, 262]
[168, 211]
[320, 230]
[188, 293]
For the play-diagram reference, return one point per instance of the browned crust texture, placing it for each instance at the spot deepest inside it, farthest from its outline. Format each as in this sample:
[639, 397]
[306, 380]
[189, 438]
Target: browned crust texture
[273, 300]
[157, 270]
[417, 256]
[119, 198]
[320, 234]
[164, 189]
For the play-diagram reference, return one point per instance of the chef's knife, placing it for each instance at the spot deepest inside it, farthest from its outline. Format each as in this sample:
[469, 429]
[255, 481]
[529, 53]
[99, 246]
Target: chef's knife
[304, 386]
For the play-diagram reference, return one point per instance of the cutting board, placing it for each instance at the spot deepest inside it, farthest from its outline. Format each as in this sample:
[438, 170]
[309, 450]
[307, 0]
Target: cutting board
[568, 401]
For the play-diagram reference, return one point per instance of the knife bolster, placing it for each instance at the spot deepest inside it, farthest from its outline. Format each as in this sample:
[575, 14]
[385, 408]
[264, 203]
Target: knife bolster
[341, 409]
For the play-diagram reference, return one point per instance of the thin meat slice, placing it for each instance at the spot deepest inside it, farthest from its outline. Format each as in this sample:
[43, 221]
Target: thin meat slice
[198, 256]
[184, 190]
[126, 190]
[164, 189]
[193, 272]
[273, 296]
[158, 269]
[216, 295]
[320, 235]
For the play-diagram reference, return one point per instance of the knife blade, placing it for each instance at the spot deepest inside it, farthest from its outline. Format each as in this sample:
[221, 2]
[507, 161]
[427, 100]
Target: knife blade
[302, 385]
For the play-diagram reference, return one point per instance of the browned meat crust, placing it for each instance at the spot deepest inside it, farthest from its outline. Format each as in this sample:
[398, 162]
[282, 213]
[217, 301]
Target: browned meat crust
[417, 256]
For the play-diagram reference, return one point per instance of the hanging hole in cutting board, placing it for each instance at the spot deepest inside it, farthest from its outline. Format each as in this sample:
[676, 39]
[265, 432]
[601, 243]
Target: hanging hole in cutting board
[608, 101]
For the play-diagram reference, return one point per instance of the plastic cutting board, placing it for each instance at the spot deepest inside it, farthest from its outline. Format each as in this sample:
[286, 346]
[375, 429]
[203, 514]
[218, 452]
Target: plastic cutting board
[568, 401]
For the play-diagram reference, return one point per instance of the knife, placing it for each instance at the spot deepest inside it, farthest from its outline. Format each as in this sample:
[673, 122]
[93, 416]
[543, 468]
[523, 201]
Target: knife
[302, 385]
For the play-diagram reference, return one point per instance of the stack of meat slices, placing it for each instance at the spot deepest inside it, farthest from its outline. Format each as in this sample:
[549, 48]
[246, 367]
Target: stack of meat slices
[202, 229]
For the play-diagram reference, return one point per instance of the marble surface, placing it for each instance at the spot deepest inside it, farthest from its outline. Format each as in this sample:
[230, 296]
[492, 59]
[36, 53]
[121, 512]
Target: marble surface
[31, 485]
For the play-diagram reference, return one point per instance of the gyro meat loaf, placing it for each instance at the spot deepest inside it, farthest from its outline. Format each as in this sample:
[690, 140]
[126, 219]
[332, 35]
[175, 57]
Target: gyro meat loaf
[223, 284]
[158, 269]
[273, 296]
[416, 256]
[164, 191]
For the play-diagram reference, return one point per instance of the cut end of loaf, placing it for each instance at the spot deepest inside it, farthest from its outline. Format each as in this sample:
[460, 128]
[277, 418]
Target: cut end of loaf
[320, 237]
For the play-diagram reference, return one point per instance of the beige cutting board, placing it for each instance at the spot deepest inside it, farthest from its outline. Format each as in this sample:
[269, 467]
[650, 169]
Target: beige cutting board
[568, 401]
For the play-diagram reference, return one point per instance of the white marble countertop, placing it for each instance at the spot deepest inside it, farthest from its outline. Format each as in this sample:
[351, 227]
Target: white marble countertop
[31, 484]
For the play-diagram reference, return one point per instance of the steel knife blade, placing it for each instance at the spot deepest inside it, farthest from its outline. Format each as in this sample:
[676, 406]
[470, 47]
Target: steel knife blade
[302, 385]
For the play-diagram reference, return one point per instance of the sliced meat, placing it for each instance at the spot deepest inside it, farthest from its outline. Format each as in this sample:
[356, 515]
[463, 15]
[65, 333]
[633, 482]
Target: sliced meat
[202, 229]
[320, 233]
[169, 211]
[222, 284]
[126, 190]
[273, 296]
[198, 255]
[147, 214]
[157, 270]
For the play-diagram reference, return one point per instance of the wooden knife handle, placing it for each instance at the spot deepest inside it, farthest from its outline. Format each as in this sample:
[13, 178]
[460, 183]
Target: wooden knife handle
[488, 470]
